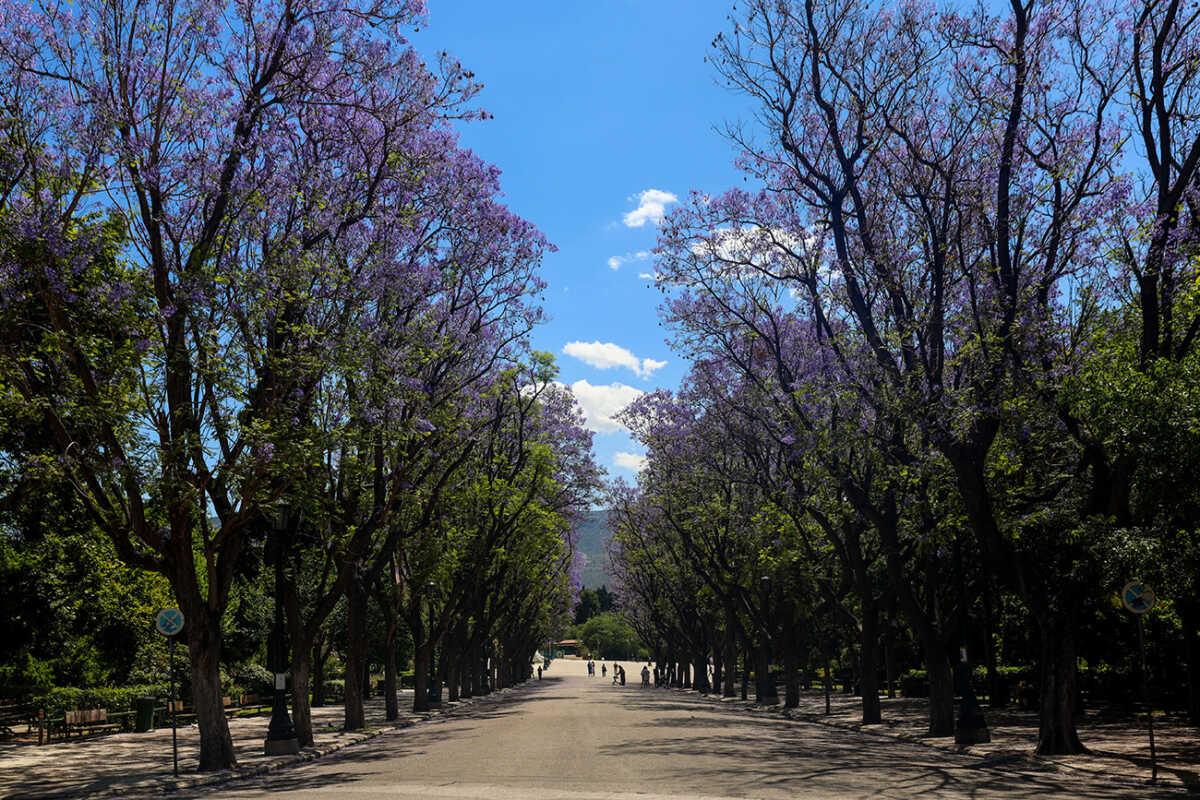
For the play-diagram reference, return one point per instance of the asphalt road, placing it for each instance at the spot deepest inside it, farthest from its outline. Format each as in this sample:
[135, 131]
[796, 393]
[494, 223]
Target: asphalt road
[579, 738]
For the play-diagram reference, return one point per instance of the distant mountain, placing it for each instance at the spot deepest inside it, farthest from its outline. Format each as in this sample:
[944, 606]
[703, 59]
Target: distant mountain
[593, 534]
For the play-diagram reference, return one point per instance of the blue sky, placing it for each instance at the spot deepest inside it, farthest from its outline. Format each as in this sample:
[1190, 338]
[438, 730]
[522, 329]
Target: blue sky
[603, 111]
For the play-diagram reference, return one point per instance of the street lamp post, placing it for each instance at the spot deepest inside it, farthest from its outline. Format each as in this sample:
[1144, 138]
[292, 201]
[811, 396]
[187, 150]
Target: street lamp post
[971, 726]
[435, 685]
[281, 736]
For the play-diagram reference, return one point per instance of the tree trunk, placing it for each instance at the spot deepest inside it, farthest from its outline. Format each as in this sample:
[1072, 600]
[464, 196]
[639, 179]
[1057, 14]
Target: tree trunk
[765, 692]
[478, 670]
[700, 672]
[1188, 614]
[941, 693]
[319, 657]
[791, 675]
[356, 656]
[745, 674]
[730, 689]
[421, 676]
[889, 658]
[390, 700]
[441, 677]
[828, 685]
[204, 655]
[454, 689]
[301, 711]
[1057, 735]
[868, 659]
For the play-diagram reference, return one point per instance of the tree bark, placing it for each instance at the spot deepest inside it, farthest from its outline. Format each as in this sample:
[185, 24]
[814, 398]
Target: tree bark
[1057, 735]
[941, 693]
[766, 693]
[791, 675]
[319, 657]
[700, 672]
[301, 711]
[390, 699]
[440, 677]
[828, 685]
[1188, 614]
[204, 655]
[730, 689]
[421, 676]
[868, 659]
[356, 656]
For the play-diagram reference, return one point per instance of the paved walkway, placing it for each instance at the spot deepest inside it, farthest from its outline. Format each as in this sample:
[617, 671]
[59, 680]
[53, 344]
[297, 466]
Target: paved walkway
[127, 763]
[585, 738]
[579, 738]
[1118, 742]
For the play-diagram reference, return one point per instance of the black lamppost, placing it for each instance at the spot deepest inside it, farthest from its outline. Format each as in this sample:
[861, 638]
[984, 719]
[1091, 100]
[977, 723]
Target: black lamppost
[435, 686]
[971, 726]
[281, 736]
[766, 684]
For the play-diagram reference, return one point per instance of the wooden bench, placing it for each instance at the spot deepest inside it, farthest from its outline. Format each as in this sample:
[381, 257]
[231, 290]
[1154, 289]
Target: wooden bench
[91, 720]
[255, 704]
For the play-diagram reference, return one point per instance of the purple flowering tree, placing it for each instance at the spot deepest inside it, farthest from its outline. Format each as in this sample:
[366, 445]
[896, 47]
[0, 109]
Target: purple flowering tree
[945, 185]
[250, 151]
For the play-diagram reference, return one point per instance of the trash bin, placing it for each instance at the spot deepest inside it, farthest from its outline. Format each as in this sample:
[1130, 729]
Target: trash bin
[144, 719]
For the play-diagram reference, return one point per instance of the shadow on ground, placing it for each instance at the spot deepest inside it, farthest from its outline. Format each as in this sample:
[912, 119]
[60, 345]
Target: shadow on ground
[801, 757]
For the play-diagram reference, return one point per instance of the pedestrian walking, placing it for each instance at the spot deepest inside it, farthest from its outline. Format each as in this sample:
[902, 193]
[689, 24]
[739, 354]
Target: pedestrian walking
[539, 673]
[622, 676]
[603, 670]
[646, 675]
[616, 673]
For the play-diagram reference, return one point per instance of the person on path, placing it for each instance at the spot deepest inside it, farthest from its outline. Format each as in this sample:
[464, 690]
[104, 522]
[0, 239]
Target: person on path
[603, 670]
[645, 676]
[616, 673]
[539, 673]
[622, 676]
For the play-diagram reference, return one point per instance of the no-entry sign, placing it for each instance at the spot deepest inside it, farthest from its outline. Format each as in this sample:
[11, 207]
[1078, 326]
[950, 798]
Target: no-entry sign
[1137, 597]
[169, 621]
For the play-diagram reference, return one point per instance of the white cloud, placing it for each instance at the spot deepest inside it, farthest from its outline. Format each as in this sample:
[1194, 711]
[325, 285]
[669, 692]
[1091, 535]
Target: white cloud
[615, 262]
[606, 355]
[630, 461]
[649, 366]
[601, 402]
[735, 251]
[652, 205]
[649, 276]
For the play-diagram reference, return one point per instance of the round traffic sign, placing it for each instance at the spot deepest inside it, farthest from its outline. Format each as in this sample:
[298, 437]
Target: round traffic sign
[1137, 597]
[169, 621]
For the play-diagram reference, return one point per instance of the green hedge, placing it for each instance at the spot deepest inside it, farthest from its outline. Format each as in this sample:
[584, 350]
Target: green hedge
[116, 698]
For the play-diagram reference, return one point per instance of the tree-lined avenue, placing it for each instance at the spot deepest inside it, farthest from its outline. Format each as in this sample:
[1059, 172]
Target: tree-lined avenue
[571, 736]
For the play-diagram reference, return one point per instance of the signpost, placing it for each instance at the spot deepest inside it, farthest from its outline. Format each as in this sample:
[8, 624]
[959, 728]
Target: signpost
[169, 623]
[1139, 598]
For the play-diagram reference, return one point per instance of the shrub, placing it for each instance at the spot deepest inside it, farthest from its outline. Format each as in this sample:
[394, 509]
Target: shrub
[113, 698]
[254, 678]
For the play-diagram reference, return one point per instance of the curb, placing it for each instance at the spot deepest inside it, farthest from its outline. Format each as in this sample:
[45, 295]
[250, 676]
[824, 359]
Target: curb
[167, 784]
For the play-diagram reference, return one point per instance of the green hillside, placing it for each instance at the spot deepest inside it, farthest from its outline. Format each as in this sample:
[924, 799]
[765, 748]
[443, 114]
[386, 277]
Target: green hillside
[593, 533]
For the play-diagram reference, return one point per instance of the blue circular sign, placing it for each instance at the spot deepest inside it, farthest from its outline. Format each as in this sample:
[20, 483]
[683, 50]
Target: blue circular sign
[1137, 597]
[169, 621]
